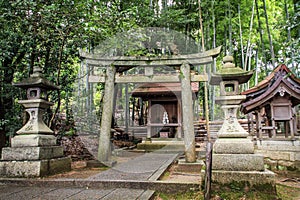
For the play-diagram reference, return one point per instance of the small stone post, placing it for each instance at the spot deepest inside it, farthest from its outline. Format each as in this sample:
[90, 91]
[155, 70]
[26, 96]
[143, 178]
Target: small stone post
[187, 114]
[104, 149]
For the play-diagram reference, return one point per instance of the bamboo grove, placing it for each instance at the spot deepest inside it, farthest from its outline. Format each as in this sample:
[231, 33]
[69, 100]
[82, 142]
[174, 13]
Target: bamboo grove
[259, 34]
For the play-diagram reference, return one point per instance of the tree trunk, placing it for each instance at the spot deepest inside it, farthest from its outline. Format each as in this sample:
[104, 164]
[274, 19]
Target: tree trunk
[6, 99]
[261, 37]
[205, 83]
[248, 52]
[229, 29]
[269, 34]
[241, 37]
[213, 92]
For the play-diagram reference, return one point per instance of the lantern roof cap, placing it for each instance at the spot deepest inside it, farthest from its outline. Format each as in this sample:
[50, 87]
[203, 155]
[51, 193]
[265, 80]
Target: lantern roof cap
[229, 72]
[36, 79]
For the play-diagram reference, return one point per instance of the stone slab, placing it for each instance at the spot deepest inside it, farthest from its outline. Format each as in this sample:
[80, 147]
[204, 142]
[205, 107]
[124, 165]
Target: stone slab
[33, 140]
[123, 193]
[249, 178]
[10, 192]
[60, 193]
[233, 146]
[230, 100]
[238, 162]
[58, 165]
[24, 169]
[149, 166]
[159, 186]
[37, 168]
[184, 166]
[279, 145]
[32, 153]
[275, 155]
[24, 192]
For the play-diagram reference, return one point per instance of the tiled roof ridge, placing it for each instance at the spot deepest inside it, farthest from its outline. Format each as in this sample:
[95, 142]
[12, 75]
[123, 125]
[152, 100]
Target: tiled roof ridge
[267, 82]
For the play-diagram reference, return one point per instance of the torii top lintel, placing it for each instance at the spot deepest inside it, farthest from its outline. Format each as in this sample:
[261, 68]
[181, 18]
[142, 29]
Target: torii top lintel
[130, 61]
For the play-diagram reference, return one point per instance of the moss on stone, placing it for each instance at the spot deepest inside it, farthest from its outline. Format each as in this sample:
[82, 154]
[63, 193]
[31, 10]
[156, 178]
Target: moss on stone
[245, 187]
[150, 146]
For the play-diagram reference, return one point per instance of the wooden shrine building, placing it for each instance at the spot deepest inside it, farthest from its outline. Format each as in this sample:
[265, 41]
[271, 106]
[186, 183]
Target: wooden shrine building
[171, 69]
[273, 102]
[163, 106]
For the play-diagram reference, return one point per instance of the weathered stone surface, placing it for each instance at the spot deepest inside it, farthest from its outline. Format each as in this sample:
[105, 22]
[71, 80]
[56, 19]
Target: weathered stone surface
[33, 140]
[252, 178]
[24, 169]
[230, 100]
[297, 156]
[231, 127]
[37, 168]
[32, 153]
[285, 163]
[271, 164]
[189, 167]
[279, 145]
[238, 162]
[59, 165]
[35, 109]
[187, 114]
[233, 145]
[275, 155]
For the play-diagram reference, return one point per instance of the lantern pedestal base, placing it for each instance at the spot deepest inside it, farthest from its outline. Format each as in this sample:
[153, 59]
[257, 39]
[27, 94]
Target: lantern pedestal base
[33, 156]
[34, 168]
[245, 180]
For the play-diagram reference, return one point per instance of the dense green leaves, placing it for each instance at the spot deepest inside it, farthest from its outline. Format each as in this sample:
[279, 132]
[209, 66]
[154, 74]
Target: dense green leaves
[50, 34]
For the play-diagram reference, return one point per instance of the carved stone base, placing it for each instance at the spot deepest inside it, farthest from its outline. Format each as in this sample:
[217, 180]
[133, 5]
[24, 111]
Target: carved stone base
[33, 156]
[238, 162]
[234, 146]
[257, 180]
[33, 140]
[34, 168]
[32, 153]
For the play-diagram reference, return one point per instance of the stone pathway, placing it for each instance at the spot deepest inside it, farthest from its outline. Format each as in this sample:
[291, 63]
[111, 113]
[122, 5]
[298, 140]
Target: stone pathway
[139, 170]
[45, 193]
[149, 166]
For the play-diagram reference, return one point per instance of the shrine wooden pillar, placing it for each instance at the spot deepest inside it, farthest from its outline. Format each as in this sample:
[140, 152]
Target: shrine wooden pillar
[187, 113]
[104, 149]
[259, 119]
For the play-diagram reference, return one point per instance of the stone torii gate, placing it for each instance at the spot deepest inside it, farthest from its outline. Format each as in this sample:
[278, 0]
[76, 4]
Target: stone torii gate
[114, 68]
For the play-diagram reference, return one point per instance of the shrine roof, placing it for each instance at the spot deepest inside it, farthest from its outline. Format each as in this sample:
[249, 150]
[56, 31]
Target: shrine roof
[161, 89]
[279, 83]
[269, 79]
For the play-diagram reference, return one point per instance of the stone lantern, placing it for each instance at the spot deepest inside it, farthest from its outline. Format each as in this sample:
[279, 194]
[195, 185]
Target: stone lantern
[233, 159]
[229, 78]
[34, 151]
[37, 88]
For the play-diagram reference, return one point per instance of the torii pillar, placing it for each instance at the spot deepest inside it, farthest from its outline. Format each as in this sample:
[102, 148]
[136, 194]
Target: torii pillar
[104, 149]
[187, 114]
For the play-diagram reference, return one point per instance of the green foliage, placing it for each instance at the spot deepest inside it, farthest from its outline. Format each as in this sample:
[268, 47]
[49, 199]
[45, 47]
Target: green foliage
[2, 123]
[50, 33]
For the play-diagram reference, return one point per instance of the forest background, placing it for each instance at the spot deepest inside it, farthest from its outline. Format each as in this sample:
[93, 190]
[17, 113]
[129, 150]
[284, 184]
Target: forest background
[260, 34]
